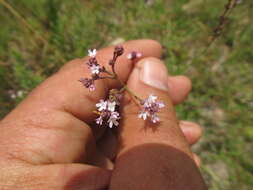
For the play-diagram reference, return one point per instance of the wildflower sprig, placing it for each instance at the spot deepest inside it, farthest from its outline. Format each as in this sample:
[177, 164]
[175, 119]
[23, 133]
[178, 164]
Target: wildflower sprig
[107, 109]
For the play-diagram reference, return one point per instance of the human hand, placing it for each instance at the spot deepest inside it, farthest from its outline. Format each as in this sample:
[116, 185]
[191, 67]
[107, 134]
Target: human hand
[49, 140]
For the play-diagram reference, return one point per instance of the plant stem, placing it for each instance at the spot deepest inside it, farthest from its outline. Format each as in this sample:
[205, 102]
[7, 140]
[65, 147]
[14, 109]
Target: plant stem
[106, 77]
[109, 73]
[125, 87]
[133, 94]
[217, 31]
[113, 69]
[230, 5]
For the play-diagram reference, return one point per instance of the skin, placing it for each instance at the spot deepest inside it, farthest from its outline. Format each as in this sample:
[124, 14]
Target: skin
[49, 141]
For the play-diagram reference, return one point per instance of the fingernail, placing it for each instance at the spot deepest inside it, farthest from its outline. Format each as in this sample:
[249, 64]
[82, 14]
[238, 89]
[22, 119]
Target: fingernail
[185, 123]
[186, 126]
[154, 73]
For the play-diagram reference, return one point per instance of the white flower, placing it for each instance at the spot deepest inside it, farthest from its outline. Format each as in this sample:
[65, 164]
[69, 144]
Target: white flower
[160, 104]
[20, 93]
[138, 55]
[133, 55]
[111, 106]
[155, 118]
[102, 105]
[129, 56]
[95, 69]
[92, 53]
[92, 87]
[151, 99]
[150, 107]
[143, 115]
[113, 119]
[99, 120]
[13, 96]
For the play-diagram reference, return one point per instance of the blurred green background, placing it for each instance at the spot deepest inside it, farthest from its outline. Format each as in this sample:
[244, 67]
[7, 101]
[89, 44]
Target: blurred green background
[222, 95]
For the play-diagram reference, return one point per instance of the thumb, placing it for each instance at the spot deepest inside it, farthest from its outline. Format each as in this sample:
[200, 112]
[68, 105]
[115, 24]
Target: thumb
[152, 155]
[150, 77]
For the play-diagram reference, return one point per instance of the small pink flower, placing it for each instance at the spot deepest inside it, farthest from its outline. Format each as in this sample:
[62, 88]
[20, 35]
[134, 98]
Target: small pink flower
[111, 106]
[102, 105]
[151, 99]
[95, 69]
[92, 87]
[88, 83]
[134, 55]
[143, 115]
[99, 120]
[107, 113]
[113, 119]
[150, 108]
[155, 118]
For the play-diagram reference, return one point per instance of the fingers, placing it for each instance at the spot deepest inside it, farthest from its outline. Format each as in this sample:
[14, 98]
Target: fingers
[63, 91]
[179, 88]
[48, 126]
[108, 144]
[150, 77]
[49, 137]
[54, 177]
[157, 153]
[192, 131]
[197, 160]
[83, 106]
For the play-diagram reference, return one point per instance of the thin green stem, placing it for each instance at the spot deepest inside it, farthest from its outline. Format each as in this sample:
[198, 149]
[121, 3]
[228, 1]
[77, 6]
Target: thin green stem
[125, 87]
[109, 73]
[133, 94]
[106, 78]
[113, 69]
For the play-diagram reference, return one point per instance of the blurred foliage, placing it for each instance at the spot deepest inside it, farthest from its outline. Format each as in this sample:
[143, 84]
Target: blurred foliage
[222, 96]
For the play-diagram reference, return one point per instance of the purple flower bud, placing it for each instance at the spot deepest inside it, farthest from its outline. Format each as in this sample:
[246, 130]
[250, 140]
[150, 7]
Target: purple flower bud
[119, 50]
[134, 55]
[95, 77]
[93, 61]
[111, 62]
[102, 69]
[88, 83]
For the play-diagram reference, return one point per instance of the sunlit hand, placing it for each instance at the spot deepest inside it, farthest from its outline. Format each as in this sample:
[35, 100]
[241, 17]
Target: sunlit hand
[50, 141]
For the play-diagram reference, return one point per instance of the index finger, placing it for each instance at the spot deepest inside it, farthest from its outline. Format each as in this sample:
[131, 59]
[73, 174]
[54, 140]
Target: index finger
[63, 91]
[69, 95]
[60, 103]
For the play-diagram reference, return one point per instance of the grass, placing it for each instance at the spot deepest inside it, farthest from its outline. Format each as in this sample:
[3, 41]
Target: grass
[222, 96]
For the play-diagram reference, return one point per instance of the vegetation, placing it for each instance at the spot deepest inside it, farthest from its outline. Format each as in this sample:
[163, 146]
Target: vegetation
[38, 36]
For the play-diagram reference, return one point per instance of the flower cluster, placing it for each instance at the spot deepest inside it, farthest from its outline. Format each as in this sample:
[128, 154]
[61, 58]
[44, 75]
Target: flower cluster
[107, 109]
[150, 107]
[95, 69]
